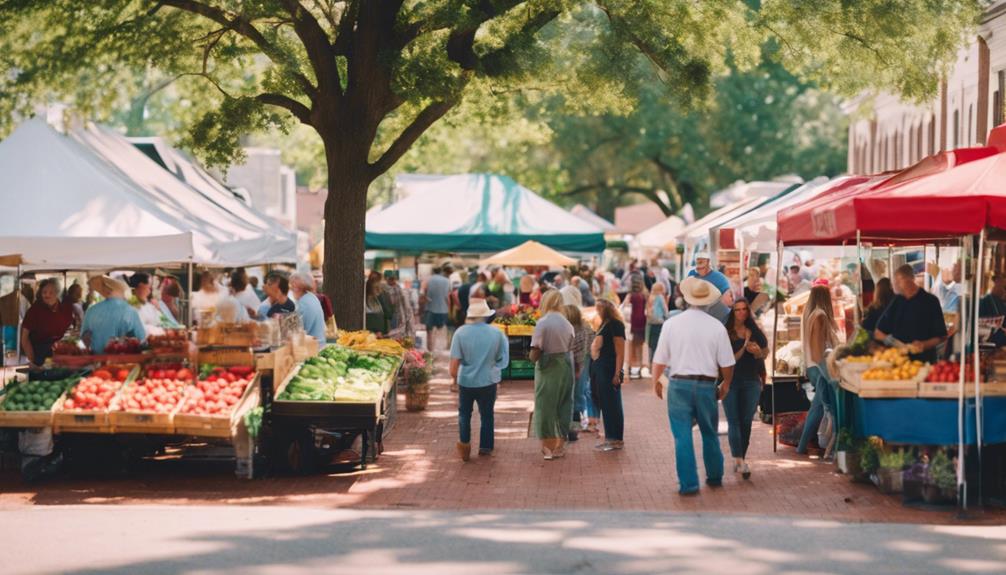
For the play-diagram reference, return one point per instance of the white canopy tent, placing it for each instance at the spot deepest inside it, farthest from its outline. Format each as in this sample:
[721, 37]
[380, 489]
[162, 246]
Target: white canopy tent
[756, 229]
[90, 200]
[662, 236]
[696, 235]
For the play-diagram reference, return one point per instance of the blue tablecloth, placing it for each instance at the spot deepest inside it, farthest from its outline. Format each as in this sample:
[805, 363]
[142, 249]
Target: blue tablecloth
[925, 421]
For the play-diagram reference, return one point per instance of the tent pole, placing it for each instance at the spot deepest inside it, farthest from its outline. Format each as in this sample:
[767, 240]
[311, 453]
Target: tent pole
[17, 310]
[962, 487]
[775, 340]
[189, 302]
[979, 274]
[859, 288]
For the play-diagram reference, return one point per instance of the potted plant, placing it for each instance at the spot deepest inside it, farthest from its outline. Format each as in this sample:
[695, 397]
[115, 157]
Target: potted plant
[869, 455]
[847, 454]
[418, 369]
[889, 474]
[940, 484]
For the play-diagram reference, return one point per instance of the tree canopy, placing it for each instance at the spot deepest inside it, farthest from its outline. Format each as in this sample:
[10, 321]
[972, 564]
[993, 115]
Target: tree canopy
[371, 76]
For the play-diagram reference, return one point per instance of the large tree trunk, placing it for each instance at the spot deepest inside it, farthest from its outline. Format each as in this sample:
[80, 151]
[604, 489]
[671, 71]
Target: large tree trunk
[345, 218]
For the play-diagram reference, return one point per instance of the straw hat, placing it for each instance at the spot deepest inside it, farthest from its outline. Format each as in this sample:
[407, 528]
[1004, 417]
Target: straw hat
[478, 308]
[699, 292]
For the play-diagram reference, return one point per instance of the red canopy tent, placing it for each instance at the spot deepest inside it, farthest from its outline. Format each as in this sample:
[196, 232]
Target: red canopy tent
[910, 205]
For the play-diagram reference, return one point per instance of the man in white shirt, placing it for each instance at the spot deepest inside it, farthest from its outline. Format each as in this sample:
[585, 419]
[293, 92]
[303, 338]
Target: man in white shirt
[696, 348]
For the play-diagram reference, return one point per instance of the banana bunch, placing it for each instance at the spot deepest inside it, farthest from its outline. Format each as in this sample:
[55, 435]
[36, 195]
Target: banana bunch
[366, 341]
[355, 338]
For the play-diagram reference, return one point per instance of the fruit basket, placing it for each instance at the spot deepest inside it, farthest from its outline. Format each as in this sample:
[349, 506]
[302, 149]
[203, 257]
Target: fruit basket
[147, 404]
[213, 406]
[85, 408]
[31, 403]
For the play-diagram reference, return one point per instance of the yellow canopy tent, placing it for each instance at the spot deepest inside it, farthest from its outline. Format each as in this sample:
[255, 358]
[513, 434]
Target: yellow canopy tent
[530, 253]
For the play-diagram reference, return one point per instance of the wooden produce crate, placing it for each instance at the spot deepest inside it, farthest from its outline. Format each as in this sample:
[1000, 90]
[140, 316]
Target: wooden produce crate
[88, 421]
[951, 390]
[226, 356]
[227, 334]
[520, 330]
[217, 425]
[26, 419]
[308, 347]
[139, 421]
[872, 388]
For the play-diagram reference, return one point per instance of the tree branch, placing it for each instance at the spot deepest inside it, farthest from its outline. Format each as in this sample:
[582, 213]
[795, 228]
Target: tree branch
[410, 134]
[318, 48]
[244, 27]
[300, 111]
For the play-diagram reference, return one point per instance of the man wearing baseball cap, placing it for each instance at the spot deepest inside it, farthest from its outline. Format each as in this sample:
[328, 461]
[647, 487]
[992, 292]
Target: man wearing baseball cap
[479, 352]
[704, 271]
[697, 349]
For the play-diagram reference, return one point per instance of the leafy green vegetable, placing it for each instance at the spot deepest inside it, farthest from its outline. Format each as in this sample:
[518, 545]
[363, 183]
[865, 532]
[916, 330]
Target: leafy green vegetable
[340, 374]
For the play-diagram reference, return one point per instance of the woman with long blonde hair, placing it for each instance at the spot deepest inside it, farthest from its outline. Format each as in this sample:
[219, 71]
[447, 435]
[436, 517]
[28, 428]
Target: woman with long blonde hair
[819, 333]
[551, 351]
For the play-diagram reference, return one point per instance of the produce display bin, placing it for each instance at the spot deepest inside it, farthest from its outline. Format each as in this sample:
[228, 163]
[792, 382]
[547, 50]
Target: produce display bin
[89, 421]
[520, 330]
[33, 419]
[216, 425]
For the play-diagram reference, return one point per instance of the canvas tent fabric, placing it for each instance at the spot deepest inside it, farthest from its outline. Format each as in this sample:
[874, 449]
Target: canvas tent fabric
[696, 234]
[757, 228]
[940, 197]
[475, 213]
[530, 253]
[661, 236]
[588, 215]
[89, 200]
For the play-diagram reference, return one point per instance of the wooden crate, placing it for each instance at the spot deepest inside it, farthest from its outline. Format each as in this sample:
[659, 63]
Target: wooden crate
[227, 334]
[894, 388]
[88, 421]
[520, 330]
[946, 390]
[137, 421]
[227, 356]
[24, 419]
[217, 425]
[307, 348]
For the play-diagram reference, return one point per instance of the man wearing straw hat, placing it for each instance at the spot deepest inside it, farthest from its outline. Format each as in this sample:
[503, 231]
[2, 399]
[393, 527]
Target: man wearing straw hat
[697, 349]
[479, 352]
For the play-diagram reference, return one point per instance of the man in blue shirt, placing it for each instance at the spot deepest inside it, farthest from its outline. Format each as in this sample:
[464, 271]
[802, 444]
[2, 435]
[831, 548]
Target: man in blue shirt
[308, 306]
[479, 352]
[111, 318]
[704, 271]
[437, 294]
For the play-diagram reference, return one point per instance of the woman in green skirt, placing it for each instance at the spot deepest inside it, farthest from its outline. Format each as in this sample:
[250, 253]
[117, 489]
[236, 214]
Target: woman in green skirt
[552, 352]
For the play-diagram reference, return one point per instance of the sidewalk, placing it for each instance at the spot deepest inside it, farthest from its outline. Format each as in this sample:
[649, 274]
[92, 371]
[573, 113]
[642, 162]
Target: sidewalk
[420, 470]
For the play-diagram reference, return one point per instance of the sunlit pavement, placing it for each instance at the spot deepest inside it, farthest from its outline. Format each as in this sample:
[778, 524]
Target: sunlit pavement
[203, 539]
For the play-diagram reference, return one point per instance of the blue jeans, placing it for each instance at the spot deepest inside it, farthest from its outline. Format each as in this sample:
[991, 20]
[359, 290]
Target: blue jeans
[689, 400]
[609, 400]
[740, 405]
[485, 397]
[582, 402]
[824, 399]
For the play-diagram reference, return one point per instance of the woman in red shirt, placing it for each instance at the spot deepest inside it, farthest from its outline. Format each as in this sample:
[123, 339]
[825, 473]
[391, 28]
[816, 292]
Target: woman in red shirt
[45, 323]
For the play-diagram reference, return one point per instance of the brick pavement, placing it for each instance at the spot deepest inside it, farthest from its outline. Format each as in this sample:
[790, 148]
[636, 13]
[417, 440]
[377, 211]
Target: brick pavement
[420, 470]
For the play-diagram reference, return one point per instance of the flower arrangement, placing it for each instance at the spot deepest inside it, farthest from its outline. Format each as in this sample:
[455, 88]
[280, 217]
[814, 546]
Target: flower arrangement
[518, 314]
[418, 367]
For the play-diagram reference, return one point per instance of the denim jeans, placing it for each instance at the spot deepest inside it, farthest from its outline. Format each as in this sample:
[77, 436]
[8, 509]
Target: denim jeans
[609, 400]
[824, 399]
[740, 405]
[582, 401]
[689, 400]
[485, 397]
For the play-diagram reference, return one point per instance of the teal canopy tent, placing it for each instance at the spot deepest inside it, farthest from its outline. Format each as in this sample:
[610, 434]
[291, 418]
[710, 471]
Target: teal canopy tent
[475, 213]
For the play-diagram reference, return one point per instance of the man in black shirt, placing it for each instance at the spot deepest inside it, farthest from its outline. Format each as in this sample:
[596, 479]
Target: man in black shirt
[914, 317]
